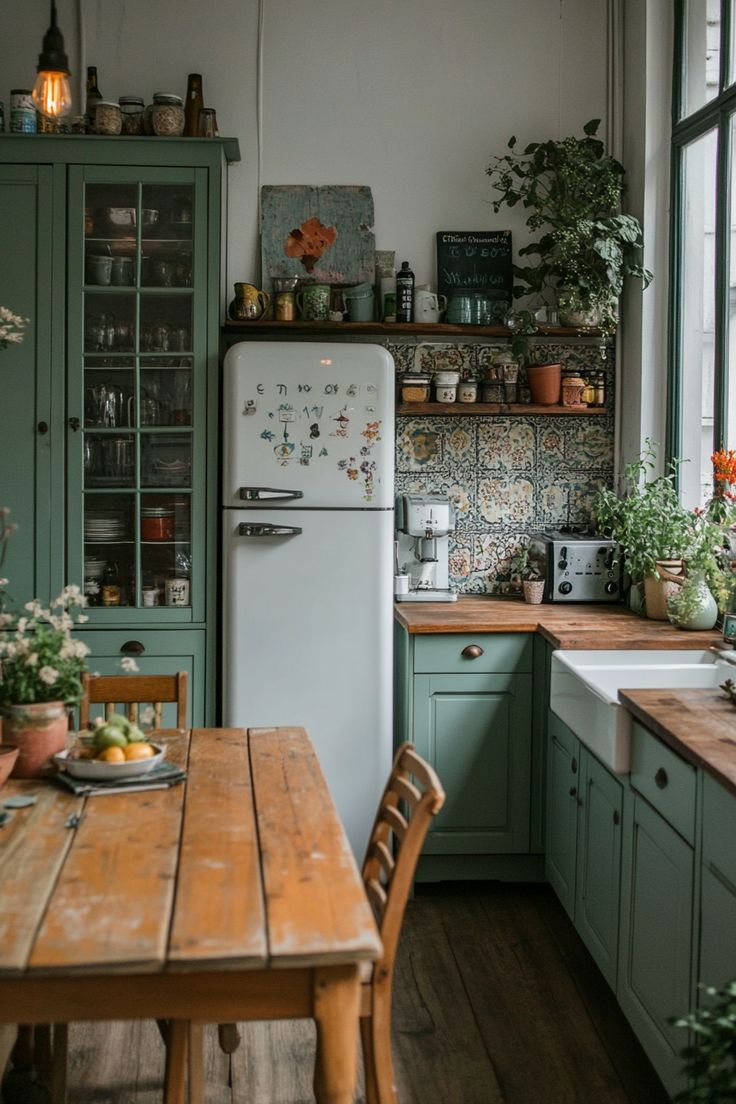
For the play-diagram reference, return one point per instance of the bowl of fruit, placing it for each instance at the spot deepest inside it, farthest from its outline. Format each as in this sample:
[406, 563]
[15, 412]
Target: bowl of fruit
[115, 749]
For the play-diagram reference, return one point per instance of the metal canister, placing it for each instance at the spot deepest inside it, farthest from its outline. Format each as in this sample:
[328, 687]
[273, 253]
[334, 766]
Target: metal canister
[22, 112]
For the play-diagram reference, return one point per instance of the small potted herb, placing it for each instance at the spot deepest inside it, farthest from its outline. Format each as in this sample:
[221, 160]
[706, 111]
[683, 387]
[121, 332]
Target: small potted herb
[531, 573]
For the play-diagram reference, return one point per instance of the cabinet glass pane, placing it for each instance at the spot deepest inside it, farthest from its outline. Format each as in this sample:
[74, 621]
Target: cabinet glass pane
[138, 378]
[166, 391]
[109, 549]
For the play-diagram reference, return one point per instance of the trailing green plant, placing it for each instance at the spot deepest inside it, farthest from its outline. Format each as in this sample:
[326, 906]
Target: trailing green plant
[572, 190]
[686, 601]
[709, 1062]
[649, 522]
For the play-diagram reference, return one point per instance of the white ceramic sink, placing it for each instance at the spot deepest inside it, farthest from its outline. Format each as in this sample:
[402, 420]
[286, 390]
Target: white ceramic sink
[585, 684]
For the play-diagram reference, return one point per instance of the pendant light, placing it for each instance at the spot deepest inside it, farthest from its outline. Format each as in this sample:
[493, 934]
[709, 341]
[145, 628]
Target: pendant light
[51, 93]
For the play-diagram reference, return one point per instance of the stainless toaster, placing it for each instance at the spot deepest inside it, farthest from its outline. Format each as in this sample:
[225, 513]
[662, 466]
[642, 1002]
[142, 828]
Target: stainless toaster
[578, 567]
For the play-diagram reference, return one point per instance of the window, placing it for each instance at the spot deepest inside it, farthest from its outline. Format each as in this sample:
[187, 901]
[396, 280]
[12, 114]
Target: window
[703, 353]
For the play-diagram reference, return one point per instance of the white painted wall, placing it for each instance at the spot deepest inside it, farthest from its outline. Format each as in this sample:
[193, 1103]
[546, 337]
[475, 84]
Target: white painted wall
[411, 97]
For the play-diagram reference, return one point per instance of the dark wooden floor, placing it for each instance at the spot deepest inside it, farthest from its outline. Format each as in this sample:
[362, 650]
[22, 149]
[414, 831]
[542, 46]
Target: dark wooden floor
[496, 1001]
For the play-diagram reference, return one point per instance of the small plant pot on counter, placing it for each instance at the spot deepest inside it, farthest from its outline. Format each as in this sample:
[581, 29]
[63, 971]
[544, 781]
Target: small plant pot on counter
[38, 730]
[533, 591]
[659, 588]
[544, 383]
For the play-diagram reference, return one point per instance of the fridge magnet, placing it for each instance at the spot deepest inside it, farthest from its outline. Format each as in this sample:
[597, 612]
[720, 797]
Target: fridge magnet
[372, 431]
[343, 424]
[323, 234]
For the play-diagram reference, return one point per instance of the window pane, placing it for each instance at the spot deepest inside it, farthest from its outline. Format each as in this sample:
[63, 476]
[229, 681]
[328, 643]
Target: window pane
[702, 53]
[697, 306]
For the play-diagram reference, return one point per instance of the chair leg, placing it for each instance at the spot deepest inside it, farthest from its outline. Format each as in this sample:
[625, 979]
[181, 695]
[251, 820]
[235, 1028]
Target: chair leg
[163, 1027]
[375, 1033]
[196, 1063]
[59, 1053]
[228, 1037]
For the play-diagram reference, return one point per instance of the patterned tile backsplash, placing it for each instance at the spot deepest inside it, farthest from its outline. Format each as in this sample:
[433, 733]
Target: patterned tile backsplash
[507, 475]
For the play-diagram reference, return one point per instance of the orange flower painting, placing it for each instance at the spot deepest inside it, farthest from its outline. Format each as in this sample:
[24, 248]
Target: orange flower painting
[309, 241]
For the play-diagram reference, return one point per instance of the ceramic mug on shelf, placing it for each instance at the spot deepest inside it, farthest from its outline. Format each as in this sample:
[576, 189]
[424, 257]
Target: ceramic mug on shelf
[460, 308]
[313, 301]
[249, 303]
[177, 591]
[358, 302]
[428, 306]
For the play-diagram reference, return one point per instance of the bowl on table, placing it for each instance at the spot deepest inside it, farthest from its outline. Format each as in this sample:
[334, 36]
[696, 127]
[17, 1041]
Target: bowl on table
[97, 770]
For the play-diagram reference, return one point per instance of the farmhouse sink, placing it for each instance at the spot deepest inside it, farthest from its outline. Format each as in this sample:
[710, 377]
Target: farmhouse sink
[585, 684]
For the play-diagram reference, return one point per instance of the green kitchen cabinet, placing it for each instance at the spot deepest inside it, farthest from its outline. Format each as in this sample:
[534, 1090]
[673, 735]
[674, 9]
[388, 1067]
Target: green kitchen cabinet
[583, 842]
[654, 979]
[716, 953]
[465, 701]
[117, 434]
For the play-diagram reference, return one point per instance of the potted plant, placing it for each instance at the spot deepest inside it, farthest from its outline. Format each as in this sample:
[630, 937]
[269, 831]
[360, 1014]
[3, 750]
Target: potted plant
[531, 573]
[710, 1061]
[572, 190]
[650, 524]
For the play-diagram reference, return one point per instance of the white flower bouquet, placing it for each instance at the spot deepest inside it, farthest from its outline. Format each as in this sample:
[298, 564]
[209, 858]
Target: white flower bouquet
[11, 328]
[40, 661]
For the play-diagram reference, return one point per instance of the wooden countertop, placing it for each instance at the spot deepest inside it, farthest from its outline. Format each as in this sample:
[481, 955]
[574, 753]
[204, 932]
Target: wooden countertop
[564, 626]
[700, 725]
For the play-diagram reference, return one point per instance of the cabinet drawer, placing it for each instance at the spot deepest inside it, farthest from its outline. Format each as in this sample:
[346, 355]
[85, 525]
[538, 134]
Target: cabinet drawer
[477, 653]
[665, 780]
[719, 828]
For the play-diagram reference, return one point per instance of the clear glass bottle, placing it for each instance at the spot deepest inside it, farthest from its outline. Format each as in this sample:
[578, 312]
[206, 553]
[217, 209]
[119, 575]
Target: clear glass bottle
[194, 104]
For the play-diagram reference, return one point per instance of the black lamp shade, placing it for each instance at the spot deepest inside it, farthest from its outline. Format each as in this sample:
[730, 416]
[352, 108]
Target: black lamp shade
[53, 56]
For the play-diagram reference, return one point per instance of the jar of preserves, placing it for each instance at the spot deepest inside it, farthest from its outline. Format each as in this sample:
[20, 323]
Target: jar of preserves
[167, 115]
[157, 523]
[415, 387]
[108, 118]
[468, 390]
[131, 109]
[445, 386]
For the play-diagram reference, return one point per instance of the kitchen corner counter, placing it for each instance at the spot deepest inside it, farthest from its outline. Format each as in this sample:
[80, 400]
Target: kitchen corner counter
[700, 725]
[564, 626]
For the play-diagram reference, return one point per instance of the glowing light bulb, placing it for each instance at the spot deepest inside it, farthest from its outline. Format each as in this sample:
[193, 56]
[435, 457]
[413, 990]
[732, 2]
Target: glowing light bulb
[52, 94]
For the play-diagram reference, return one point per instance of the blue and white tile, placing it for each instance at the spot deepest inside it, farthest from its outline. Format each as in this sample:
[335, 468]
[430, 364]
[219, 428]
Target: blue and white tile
[419, 446]
[506, 444]
[506, 500]
[588, 444]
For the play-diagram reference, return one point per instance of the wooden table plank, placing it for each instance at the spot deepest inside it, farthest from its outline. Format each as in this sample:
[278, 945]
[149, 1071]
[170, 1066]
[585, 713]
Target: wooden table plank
[219, 915]
[317, 912]
[111, 908]
[33, 846]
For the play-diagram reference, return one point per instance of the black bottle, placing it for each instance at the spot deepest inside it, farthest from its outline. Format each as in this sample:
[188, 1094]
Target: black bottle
[404, 293]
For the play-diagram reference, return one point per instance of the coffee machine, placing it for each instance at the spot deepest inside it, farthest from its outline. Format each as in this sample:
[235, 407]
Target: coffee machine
[423, 526]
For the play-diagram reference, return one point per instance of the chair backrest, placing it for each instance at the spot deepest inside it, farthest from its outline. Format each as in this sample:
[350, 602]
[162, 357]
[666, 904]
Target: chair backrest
[133, 691]
[413, 795]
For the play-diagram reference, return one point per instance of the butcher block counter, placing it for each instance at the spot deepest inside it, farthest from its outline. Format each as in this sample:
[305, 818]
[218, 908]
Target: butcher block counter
[700, 725]
[564, 626]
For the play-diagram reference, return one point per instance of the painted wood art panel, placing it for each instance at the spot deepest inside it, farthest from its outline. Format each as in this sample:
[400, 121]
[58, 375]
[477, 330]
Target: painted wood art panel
[323, 234]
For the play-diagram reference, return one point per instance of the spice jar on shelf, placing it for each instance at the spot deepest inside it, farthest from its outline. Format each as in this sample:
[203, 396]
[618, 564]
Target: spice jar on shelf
[415, 387]
[167, 115]
[445, 386]
[131, 109]
[468, 390]
[108, 117]
[573, 386]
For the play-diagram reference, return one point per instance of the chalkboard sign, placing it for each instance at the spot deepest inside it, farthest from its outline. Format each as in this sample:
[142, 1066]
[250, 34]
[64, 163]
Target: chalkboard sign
[476, 260]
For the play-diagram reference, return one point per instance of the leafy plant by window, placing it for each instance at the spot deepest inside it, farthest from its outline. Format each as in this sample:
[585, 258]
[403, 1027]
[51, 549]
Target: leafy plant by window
[710, 1061]
[572, 190]
[649, 522]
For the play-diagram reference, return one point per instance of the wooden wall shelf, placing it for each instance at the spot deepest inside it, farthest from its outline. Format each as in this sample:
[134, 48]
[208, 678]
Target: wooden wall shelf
[435, 408]
[432, 331]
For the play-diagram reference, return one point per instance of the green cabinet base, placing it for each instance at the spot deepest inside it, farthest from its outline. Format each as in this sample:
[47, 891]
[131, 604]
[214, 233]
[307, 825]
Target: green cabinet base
[477, 868]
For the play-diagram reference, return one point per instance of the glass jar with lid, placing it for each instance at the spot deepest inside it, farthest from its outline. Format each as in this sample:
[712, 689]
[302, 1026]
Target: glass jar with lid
[157, 523]
[131, 108]
[108, 117]
[415, 387]
[167, 115]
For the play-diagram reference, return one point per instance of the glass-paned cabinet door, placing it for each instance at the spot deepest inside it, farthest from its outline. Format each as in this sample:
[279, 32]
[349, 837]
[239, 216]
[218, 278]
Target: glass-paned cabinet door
[136, 342]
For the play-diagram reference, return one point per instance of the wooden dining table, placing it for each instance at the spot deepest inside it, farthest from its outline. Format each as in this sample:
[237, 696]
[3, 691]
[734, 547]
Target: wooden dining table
[231, 896]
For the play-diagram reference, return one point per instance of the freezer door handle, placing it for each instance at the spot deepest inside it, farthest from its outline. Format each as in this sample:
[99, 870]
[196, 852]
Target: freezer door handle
[258, 529]
[267, 495]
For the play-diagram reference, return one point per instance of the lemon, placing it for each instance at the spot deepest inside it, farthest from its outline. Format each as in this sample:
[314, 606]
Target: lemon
[139, 751]
[110, 735]
[112, 755]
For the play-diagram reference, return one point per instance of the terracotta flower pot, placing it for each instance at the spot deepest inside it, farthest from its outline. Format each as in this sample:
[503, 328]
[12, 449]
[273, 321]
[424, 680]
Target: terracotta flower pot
[544, 383]
[38, 731]
[8, 755]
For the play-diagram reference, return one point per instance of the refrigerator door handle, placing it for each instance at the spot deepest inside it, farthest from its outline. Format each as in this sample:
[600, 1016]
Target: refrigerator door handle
[245, 529]
[267, 495]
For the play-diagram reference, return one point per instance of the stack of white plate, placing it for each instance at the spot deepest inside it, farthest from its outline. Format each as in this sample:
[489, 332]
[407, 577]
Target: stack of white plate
[93, 567]
[103, 528]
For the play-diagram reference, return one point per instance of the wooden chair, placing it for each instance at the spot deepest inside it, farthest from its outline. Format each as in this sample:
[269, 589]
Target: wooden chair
[413, 795]
[132, 691]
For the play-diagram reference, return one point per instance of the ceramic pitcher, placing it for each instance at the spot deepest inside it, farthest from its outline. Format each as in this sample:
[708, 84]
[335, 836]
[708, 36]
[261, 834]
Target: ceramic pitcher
[249, 303]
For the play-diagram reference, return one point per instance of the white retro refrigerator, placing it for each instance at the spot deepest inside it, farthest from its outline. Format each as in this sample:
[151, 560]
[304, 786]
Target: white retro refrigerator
[308, 556]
